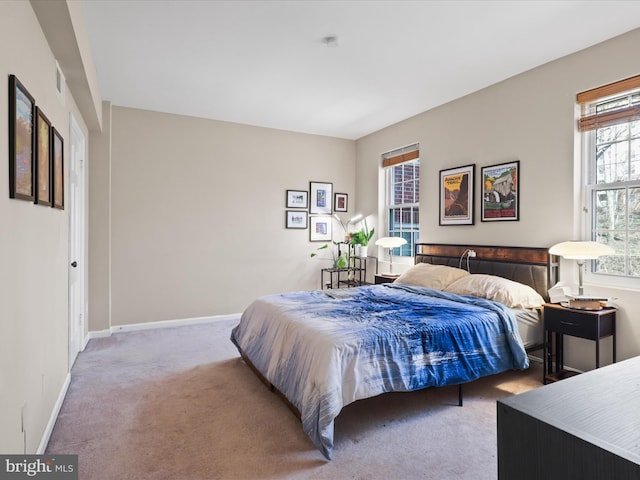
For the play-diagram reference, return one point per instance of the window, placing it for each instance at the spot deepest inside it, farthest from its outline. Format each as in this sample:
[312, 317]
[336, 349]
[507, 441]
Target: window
[610, 123]
[402, 170]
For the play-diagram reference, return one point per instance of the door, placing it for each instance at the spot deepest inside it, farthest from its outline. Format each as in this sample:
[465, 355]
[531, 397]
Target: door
[77, 267]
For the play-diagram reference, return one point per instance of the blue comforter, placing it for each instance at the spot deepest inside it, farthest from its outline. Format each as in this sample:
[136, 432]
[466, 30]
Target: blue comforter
[326, 349]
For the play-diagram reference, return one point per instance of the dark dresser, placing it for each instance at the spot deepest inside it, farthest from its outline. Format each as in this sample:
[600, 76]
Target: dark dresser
[586, 427]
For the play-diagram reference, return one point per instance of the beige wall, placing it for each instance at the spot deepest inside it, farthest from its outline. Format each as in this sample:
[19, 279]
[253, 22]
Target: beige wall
[33, 253]
[531, 118]
[198, 214]
[99, 224]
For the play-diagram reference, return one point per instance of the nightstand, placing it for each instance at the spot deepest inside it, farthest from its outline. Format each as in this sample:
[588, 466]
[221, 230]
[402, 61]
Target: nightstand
[588, 324]
[384, 278]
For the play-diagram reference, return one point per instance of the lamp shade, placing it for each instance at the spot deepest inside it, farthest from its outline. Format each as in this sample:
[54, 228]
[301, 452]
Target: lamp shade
[581, 250]
[390, 242]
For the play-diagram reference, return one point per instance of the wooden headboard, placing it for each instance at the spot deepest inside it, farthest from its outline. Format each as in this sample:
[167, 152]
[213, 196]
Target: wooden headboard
[535, 267]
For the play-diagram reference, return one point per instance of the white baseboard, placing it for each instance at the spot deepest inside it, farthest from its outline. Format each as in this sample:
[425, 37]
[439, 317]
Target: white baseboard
[132, 327]
[95, 334]
[44, 441]
[535, 358]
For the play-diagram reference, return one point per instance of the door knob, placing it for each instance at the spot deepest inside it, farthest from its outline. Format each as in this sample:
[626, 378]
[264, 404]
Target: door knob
[74, 264]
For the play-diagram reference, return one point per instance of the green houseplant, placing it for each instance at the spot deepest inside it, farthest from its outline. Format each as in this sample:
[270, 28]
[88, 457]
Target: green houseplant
[362, 238]
[339, 260]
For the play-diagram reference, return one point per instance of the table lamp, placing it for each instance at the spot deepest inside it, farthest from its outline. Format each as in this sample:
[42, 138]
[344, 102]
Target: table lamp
[390, 243]
[581, 251]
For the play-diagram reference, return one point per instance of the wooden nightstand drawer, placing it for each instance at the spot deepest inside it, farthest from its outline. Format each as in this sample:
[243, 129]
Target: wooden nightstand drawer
[574, 325]
[384, 278]
[579, 323]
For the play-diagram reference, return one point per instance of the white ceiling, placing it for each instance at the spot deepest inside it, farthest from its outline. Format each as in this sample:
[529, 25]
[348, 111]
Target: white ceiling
[264, 62]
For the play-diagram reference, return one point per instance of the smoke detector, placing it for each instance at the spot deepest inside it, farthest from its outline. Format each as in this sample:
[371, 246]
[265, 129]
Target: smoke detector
[330, 41]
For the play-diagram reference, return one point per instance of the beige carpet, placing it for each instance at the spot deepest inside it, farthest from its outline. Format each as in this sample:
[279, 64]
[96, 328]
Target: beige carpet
[179, 403]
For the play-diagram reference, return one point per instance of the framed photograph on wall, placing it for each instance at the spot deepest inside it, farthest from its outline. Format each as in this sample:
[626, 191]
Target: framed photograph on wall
[320, 229]
[297, 199]
[320, 195]
[296, 219]
[500, 199]
[456, 195]
[340, 202]
[21, 110]
[57, 181]
[43, 159]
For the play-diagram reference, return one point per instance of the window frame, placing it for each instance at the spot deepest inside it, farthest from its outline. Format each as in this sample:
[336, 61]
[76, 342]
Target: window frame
[589, 186]
[389, 206]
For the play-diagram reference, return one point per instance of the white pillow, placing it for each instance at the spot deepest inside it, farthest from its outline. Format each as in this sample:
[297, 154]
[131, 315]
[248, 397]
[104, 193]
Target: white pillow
[431, 276]
[510, 293]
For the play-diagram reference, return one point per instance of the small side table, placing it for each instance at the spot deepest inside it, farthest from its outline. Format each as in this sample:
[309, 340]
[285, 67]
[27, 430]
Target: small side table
[384, 278]
[589, 324]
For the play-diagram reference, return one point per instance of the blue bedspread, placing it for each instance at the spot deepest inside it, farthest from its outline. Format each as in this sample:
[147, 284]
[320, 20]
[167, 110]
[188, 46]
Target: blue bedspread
[326, 349]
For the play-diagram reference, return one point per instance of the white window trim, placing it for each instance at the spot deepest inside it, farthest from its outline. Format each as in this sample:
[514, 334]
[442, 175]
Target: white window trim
[409, 260]
[587, 186]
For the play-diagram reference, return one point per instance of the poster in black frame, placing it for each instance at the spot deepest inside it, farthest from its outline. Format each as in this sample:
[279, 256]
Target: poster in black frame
[21, 141]
[500, 192]
[42, 162]
[57, 169]
[456, 195]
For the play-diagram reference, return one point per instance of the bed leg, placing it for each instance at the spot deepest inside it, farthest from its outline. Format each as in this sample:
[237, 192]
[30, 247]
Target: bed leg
[460, 395]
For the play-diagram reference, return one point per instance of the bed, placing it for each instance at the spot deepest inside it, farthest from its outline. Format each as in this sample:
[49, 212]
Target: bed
[533, 267]
[322, 350]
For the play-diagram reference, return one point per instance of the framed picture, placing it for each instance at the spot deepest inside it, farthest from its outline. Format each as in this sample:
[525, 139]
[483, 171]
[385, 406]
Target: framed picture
[21, 109]
[456, 195]
[43, 159]
[296, 219]
[500, 199]
[57, 181]
[340, 202]
[297, 199]
[320, 195]
[320, 230]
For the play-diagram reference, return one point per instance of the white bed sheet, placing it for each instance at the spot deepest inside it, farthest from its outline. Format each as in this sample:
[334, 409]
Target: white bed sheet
[530, 326]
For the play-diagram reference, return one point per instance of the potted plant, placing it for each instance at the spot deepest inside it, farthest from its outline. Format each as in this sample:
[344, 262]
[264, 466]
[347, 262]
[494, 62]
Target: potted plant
[361, 238]
[339, 260]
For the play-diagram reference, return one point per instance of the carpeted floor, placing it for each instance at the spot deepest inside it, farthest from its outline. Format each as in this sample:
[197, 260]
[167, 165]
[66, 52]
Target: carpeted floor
[179, 403]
